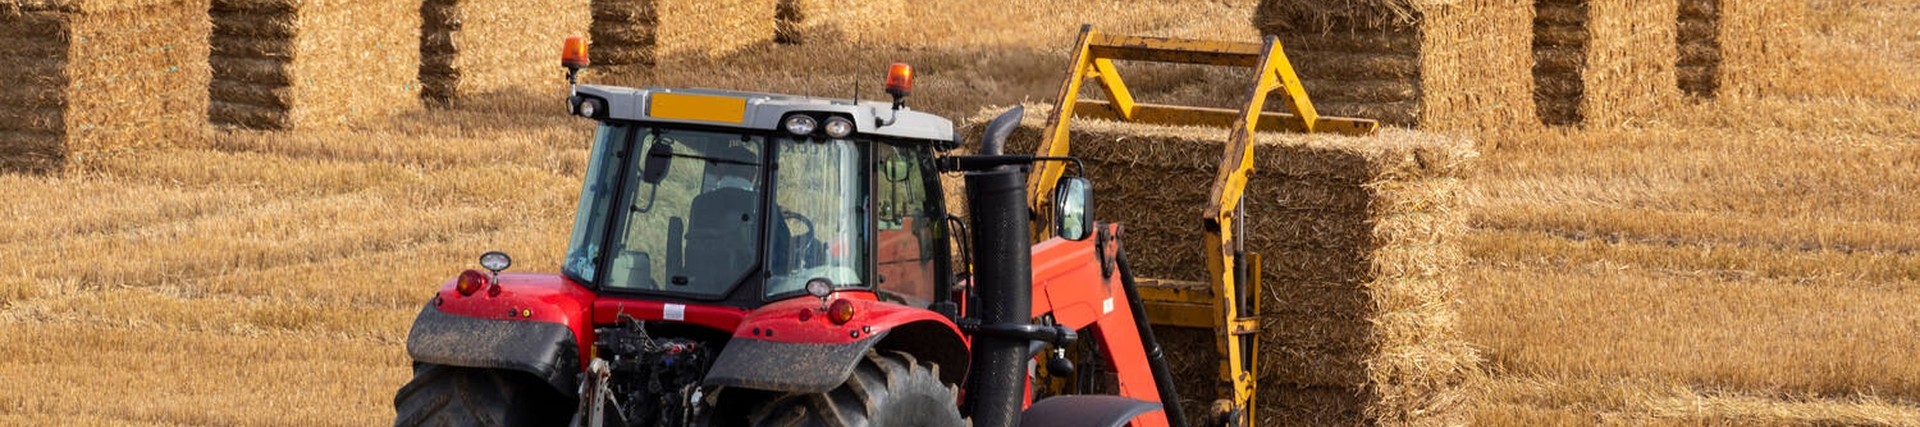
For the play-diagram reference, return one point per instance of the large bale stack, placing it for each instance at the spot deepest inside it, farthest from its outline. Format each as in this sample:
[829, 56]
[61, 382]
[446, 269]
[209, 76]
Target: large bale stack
[1433, 64]
[470, 47]
[282, 64]
[855, 21]
[1746, 47]
[78, 77]
[646, 32]
[1359, 238]
[1604, 61]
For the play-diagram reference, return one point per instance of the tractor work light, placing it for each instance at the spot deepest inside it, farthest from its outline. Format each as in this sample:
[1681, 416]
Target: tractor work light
[839, 127]
[801, 124]
[573, 53]
[495, 261]
[899, 79]
[819, 288]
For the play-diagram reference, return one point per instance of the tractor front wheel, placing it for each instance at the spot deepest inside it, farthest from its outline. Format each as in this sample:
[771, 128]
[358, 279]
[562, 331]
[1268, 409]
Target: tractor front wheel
[890, 389]
[442, 395]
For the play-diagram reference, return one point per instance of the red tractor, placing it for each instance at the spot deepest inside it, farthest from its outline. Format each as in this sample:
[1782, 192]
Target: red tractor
[760, 259]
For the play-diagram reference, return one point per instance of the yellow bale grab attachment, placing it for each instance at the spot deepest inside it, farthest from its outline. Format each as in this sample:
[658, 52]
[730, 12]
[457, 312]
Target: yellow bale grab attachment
[1230, 303]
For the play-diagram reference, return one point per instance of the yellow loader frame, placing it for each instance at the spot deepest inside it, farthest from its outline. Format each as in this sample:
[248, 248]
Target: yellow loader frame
[1230, 303]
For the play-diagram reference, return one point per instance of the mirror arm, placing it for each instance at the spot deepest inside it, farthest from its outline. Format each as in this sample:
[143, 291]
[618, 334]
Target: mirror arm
[981, 162]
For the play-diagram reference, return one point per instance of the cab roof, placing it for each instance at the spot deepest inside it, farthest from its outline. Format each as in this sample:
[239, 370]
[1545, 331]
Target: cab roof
[764, 111]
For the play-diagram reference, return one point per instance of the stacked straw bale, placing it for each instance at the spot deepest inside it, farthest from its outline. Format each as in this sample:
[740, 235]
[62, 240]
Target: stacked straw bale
[471, 47]
[81, 77]
[1604, 61]
[282, 64]
[1433, 64]
[1359, 238]
[646, 32]
[1745, 47]
[855, 21]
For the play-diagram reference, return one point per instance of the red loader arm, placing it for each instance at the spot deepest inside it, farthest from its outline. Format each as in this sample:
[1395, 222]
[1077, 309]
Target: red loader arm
[1079, 283]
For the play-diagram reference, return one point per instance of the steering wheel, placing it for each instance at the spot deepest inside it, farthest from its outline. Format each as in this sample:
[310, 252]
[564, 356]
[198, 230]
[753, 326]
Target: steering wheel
[805, 248]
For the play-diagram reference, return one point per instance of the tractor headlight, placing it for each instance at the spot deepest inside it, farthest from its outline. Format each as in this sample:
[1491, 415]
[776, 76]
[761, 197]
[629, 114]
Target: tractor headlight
[588, 107]
[801, 124]
[839, 127]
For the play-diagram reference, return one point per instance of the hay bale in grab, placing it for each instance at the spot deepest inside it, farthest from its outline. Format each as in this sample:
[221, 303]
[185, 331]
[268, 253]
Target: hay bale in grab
[1604, 61]
[471, 47]
[1359, 239]
[646, 32]
[81, 77]
[1738, 47]
[802, 21]
[1432, 64]
[284, 64]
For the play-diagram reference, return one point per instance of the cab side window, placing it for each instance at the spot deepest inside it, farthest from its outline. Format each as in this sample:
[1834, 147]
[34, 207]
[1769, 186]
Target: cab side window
[903, 224]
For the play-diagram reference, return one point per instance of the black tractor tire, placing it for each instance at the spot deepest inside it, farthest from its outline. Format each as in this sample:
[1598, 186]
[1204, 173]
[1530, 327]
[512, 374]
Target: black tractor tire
[888, 389]
[441, 395]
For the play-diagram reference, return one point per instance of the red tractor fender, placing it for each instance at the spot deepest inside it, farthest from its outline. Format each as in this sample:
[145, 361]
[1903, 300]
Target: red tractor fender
[794, 346]
[539, 324]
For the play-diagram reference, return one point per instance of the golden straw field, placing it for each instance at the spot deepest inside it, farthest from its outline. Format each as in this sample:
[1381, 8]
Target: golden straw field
[1740, 261]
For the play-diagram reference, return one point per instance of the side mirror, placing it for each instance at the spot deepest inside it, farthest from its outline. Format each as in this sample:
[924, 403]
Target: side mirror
[994, 140]
[656, 164]
[1073, 208]
[897, 170]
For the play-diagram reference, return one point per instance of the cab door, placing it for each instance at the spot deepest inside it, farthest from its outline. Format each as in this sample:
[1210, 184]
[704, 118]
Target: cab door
[905, 220]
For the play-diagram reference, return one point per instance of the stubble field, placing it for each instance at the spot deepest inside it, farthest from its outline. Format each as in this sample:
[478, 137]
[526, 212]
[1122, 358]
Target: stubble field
[1733, 262]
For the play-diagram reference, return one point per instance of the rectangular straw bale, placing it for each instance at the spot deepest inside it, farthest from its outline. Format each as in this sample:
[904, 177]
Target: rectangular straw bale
[1604, 61]
[471, 47]
[1746, 47]
[83, 77]
[283, 64]
[646, 32]
[854, 21]
[1457, 65]
[1360, 241]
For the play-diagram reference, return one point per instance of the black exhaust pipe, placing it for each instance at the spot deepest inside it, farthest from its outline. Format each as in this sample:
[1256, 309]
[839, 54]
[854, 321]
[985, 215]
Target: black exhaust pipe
[1003, 278]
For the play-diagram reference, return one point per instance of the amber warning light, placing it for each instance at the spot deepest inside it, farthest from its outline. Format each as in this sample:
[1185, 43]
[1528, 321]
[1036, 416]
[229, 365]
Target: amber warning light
[899, 80]
[573, 54]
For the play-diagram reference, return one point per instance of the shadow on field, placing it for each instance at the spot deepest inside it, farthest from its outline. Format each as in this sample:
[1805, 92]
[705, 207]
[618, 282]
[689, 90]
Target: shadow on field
[490, 115]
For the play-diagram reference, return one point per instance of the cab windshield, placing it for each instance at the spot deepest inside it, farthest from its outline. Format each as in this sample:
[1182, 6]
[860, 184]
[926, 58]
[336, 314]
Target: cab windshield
[685, 212]
[688, 211]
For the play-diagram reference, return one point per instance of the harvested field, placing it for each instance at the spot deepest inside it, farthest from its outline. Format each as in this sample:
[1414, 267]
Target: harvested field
[1739, 261]
[283, 64]
[1603, 61]
[648, 32]
[471, 47]
[1435, 65]
[83, 78]
[850, 21]
[1360, 242]
[1737, 46]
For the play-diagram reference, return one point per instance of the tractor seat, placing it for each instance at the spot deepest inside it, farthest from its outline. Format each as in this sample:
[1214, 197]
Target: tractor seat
[721, 236]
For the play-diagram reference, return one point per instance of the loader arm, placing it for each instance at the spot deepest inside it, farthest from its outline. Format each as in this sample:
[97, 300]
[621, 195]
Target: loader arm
[1229, 302]
[1083, 285]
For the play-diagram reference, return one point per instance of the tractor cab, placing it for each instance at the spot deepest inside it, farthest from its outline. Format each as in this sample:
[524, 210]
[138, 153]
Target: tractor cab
[741, 198]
